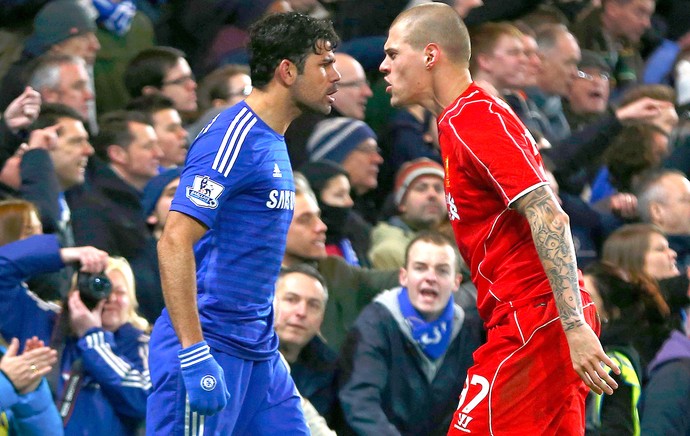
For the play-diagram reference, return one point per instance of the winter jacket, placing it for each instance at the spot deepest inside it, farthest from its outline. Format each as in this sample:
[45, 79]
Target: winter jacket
[115, 380]
[666, 400]
[388, 386]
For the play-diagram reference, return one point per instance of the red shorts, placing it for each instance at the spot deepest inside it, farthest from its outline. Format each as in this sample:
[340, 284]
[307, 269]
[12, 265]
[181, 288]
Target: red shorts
[523, 381]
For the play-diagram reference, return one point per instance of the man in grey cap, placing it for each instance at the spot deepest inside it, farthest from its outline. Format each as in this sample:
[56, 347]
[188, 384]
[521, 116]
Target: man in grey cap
[60, 27]
[588, 95]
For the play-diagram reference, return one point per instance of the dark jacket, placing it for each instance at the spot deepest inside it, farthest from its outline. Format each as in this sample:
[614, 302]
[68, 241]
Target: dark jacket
[350, 289]
[314, 376]
[109, 215]
[387, 386]
[667, 394]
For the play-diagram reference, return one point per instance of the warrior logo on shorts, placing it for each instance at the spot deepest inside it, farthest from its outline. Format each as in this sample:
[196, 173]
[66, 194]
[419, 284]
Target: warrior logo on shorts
[204, 192]
[208, 383]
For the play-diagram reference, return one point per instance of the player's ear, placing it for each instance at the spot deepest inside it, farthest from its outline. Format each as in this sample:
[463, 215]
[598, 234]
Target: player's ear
[116, 154]
[431, 54]
[286, 72]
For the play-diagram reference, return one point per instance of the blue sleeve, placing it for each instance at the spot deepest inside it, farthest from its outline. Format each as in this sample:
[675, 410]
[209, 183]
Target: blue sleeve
[22, 259]
[36, 414]
[219, 165]
[23, 314]
[8, 396]
[660, 63]
[123, 377]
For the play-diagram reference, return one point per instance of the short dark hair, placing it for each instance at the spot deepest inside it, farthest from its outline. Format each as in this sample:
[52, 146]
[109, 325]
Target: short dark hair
[436, 238]
[52, 112]
[215, 84]
[113, 129]
[307, 270]
[150, 104]
[290, 36]
[148, 68]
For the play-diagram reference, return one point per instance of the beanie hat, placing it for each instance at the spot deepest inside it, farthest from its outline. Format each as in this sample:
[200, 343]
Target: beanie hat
[592, 59]
[335, 138]
[57, 21]
[410, 171]
[319, 172]
[154, 189]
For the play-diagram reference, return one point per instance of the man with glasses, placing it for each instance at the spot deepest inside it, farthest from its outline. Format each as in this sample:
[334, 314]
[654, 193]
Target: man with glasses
[163, 70]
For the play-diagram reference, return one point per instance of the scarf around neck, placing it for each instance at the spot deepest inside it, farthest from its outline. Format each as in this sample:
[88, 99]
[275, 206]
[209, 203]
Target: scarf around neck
[433, 337]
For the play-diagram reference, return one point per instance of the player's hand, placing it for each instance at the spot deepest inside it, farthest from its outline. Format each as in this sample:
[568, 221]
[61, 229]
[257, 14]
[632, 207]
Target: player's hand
[204, 379]
[588, 359]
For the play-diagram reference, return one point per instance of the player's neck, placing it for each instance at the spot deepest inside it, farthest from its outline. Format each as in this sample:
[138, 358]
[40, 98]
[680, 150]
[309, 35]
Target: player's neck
[273, 110]
[447, 91]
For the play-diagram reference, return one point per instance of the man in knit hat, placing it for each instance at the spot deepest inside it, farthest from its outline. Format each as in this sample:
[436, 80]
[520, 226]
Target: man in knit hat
[421, 205]
[352, 144]
[60, 27]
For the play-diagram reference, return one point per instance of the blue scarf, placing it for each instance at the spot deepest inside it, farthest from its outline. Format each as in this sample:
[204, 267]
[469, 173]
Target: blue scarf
[433, 337]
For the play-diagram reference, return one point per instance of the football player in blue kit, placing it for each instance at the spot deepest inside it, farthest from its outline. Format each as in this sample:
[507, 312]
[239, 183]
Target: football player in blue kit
[214, 362]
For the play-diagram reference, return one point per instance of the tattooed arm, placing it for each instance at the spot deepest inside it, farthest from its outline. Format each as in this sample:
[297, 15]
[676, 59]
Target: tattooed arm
[552, 238]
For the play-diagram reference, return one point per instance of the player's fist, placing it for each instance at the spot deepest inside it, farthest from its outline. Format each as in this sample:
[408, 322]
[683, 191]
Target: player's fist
[203, 378]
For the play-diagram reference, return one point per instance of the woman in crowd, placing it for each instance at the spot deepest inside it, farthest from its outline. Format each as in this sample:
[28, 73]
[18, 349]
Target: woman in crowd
[103, 381]
[331, 184]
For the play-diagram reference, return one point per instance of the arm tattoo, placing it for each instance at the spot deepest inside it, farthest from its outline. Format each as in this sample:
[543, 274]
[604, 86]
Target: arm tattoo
[553, 241]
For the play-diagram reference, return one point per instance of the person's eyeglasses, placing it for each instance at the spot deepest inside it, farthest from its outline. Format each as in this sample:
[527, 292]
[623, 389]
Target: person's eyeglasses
[590, 77]
[180, 81]
[354, 84]
[244, 92]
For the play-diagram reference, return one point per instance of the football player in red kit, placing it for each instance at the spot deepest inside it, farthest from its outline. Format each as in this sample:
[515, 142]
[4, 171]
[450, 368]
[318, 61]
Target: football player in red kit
[542, 352]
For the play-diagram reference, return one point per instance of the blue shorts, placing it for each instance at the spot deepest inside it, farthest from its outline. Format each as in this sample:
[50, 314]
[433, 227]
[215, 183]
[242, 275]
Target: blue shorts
[263, 398]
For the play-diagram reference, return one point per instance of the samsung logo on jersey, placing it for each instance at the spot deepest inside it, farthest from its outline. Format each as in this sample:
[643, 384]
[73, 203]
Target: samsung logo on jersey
[281, 199]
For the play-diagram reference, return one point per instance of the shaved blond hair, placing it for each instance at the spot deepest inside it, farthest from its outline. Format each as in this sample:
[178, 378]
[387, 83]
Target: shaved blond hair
[436, 23]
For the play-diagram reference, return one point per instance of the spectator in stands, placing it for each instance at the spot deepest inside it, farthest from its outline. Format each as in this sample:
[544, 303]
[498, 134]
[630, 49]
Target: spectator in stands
[614, 30]
[163, 70]
[352, 144]
[103, 378]
[157, 196]
[64, 79]
[166, 121]
[60, 27]
[331, 186]
[588, 95]
[27, 406]
[405, 353]
[560, 53]
[109, 216]
[642, 257]
[663, 199]
[300, 304]
[667, 394]
[220, 89]
[350, 288]
[421, 205]
[498, 61]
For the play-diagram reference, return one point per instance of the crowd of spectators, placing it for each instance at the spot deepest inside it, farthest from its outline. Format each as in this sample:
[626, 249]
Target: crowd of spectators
[101, 99]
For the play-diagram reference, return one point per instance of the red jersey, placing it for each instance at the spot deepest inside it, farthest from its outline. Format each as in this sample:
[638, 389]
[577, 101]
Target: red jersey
[491, 160]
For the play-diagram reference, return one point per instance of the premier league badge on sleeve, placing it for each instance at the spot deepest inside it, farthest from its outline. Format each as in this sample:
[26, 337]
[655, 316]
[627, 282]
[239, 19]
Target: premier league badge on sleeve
[204, 192]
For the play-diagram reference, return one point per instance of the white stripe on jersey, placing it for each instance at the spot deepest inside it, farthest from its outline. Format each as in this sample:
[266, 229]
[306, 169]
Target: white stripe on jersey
[232, 141]
[239, 146]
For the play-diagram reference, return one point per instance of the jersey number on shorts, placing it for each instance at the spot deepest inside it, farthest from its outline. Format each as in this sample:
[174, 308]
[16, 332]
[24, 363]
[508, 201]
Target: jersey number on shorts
[464, 417]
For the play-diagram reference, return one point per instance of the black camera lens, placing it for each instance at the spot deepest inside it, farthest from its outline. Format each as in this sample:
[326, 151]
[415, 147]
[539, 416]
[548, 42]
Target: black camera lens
[93, 288]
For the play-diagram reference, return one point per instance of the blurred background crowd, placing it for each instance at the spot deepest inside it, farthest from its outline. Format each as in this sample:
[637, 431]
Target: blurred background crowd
[101, 99]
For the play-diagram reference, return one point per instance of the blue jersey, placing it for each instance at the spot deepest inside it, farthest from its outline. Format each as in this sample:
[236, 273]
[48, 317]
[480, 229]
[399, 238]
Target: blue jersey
[238, 182]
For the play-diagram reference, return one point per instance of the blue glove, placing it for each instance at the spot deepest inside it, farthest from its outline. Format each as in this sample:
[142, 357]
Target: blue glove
[204, 379]
[115, 17]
